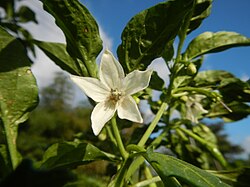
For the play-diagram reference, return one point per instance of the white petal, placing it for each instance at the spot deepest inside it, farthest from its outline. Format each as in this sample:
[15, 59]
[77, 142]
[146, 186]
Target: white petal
[128, 109]
[111, 72]
[92, 87]
[136, 81]
[101, 114]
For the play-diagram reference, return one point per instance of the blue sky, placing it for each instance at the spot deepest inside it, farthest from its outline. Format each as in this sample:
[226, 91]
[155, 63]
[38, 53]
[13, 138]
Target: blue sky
[230, 15]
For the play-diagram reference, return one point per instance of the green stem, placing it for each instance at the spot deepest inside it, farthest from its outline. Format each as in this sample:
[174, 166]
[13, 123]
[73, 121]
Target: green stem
[147, 182]
[149, 176]
[118, 138]
[153, 124]
[10, 131]
[111, 136]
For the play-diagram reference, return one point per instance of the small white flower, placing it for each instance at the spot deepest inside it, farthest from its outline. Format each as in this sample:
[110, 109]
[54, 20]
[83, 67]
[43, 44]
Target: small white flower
[113, 92]
[194, 108]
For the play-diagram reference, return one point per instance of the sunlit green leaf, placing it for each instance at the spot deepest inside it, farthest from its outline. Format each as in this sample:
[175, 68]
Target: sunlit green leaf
[149, 32]
[58, 53]
[209, 42]
[81, 32]
[211, 78]
[71, 154]
[167, 166]
[18, 89]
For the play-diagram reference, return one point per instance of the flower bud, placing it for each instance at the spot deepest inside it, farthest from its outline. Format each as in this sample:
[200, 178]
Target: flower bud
[184, 98]
[191, 69]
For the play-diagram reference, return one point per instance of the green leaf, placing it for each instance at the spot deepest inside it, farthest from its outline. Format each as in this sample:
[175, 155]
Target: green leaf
[211, 78]
[156, 82]
[209, 42]
[149, 32]
[167, 166]
[18, 89]
[234, 89]
[25, 14]
[8, 6]
[71, 154]
[201, 11]
[238, 111]
[81, 32]
[237, 177]
[58, 53]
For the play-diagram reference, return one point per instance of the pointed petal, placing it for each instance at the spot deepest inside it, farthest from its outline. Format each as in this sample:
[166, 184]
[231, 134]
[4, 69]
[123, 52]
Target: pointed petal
[111, 72]
[128, 109]
[92, 87]
[136, 81]
[101, 114]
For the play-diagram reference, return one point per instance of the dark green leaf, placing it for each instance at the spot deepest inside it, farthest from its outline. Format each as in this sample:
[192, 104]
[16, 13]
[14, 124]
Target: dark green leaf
[18, 89]
[234, 93]
[81, 32]
[234, 89]
[149, 32]
[168, 52]
[58, 53]
[71, 154]
[168, 166]
[25, 14]
[156, 82]
[209, 42]
[8, 6]
[202, 10]
[239, 111]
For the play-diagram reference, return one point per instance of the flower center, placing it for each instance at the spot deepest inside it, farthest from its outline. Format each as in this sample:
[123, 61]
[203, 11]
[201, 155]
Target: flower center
[115, 95]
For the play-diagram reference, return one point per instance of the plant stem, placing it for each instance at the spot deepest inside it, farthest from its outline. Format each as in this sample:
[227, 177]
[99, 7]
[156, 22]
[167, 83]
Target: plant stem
[149, 176]
[10, 131]
[111, 136]
[153, 124]
[147, 182]
[118, 138]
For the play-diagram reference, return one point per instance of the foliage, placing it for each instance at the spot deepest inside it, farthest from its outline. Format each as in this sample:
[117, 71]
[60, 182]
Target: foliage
[190, 147]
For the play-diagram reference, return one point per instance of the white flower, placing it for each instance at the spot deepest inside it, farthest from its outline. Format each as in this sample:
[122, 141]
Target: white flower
[194, 108]
[113, 92]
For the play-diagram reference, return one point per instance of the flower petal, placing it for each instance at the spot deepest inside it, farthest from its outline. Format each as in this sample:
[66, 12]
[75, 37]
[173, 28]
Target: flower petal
[92, 87]
[111, 72]
[136, 81]
[128, 109]
[101, 114]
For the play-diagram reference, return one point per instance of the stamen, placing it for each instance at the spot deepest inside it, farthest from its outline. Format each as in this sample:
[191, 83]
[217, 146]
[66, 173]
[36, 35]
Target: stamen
[115, 95]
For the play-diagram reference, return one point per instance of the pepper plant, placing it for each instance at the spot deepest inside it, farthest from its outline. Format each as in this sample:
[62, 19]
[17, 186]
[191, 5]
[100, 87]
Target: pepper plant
[119, 85]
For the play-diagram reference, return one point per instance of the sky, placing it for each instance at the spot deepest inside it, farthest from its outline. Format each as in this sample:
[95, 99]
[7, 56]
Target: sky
[112, 16]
